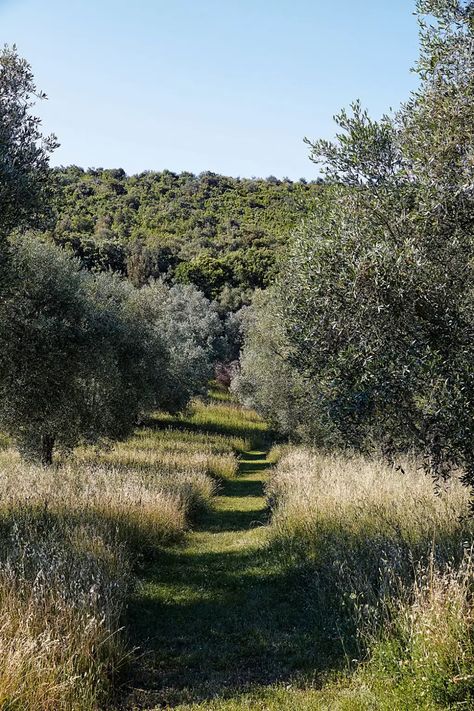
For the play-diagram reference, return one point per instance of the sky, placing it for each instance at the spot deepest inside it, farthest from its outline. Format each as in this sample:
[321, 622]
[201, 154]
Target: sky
[231, 86]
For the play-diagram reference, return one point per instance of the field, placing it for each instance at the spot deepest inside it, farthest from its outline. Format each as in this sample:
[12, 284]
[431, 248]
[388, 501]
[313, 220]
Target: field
[195, 566]
[75, 536]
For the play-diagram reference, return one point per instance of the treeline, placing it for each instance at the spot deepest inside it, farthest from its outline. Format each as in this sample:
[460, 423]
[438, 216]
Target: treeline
[367, 339]
[220, 233]
[83, 353]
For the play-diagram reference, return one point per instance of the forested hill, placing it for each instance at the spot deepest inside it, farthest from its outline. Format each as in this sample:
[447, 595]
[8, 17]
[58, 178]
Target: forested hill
[218, 232]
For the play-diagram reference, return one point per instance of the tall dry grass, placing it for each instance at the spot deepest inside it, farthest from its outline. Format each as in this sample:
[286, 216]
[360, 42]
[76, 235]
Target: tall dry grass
[332, 506]
[167, 452]
[69, 538]
[388, 566]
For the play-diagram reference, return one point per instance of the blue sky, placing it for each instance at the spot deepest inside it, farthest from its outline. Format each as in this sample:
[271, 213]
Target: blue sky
[230, 86]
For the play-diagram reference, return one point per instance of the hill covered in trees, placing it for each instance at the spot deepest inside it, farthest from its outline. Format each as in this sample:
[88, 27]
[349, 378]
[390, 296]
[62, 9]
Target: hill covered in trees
[220, 233]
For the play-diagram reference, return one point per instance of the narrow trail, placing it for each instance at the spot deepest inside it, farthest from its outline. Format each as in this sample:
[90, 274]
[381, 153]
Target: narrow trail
[216, 615]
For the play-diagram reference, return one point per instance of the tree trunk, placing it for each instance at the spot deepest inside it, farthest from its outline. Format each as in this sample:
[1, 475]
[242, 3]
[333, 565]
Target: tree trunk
[47, 446]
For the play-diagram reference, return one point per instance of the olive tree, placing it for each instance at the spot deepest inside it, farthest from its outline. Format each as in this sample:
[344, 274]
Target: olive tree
[377, 292]
[268, 382]
[24, 152]
[77, 361]
[131, 359]
[192, 331]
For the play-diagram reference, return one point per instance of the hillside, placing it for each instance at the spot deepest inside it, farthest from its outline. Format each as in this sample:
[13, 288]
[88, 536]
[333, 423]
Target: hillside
[221, 233]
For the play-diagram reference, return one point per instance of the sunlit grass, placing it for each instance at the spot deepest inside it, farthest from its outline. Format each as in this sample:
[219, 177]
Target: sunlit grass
[71, 537]
[358, 561]
[220, 421]
[389, 565]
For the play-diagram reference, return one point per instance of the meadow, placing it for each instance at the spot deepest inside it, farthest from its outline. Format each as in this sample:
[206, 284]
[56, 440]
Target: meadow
[75, 535]
[164, 545]
[387, 562]
[196, 566]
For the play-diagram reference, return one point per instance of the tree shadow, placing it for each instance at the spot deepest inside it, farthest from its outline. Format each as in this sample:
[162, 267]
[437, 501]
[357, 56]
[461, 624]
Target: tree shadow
[219, 615]
[221, 623]
[256, 438]
[218, 622]
[240, 488]
[233, 520]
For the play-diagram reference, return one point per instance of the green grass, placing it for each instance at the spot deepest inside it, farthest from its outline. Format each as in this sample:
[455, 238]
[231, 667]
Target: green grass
[243, 613]
[220, 421]
[216, 621]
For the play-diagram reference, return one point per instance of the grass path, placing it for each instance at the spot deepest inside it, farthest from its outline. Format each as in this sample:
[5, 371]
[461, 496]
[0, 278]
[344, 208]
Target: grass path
[216, 618]
[196, 600]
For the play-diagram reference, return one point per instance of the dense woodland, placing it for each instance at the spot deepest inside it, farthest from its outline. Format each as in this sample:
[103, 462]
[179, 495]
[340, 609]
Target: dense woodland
[222, 234]
[338, 317]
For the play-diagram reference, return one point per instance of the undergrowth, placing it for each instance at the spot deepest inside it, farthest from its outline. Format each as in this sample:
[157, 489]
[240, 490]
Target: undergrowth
[388, 565]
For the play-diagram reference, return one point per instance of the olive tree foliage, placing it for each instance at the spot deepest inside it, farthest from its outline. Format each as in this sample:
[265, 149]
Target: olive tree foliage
[82, 355]
[376, 296]
[77, 363]
[132, 358]
[190, 327]
[24, 152]
[268, 382]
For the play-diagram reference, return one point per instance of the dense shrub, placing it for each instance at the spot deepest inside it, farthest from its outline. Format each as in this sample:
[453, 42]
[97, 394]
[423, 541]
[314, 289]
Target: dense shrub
[216, 232]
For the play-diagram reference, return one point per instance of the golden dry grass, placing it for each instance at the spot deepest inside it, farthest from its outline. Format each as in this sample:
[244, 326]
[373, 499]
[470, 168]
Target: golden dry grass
[389, 563]
[70, 536]
[322, 500]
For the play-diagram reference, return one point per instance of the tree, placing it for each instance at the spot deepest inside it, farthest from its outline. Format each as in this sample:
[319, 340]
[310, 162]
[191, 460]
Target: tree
[78, 363]
[191, 329]
[45, 349]
[24, 153]
[268, 382]
[131, 359]
[209, 274]
[377, 292]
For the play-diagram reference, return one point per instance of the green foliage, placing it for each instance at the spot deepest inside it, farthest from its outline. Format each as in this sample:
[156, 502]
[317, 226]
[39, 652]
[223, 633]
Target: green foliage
[216, 232]
[268, 382]
[376, 294]
[24, 152]
[209, 274]
[77, 361]
[245, 269]
[190, 327]
[84, 354]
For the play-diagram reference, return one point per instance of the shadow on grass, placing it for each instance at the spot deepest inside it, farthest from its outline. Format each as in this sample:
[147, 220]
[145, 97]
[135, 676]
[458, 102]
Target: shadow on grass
[220, 623]
[220, 614]
[216, 622]
[241, 487]
[246, 466]
[256, 438]
[233, 520]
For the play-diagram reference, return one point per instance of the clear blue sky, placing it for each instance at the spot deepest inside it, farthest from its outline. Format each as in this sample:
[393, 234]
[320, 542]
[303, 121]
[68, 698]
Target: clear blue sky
[230, 86]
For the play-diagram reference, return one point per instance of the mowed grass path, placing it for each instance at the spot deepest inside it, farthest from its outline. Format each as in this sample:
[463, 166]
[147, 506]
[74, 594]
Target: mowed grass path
[218, 623]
